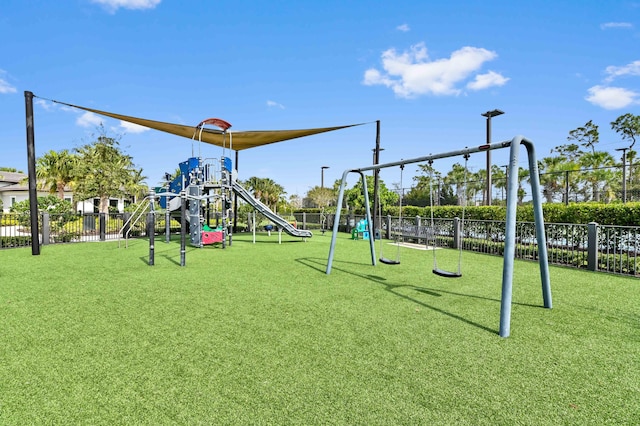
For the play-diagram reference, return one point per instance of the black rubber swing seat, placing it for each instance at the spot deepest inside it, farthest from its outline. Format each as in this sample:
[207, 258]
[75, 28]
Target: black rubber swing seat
[447, 274]
[389, 261]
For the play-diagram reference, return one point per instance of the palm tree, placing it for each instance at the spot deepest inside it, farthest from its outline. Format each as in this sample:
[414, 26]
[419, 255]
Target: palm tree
[596, 175]
[456, 177]
[499, 178]
[552, 175]
[476, 184]
[523, 174]
[135, 185]
[56, 170]
[266, 190]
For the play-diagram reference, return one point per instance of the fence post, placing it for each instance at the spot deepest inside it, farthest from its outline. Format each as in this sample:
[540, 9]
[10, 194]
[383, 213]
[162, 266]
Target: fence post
[418, 226]
[304, 220]
[388, 233]
[457, 237]
[103, 226]
[592, 246]
[46, 228]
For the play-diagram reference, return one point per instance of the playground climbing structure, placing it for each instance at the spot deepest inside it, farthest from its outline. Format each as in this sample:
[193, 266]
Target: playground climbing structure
[208, 185]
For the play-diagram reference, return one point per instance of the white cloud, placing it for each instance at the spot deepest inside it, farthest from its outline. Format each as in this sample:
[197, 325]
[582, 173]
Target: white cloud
[630, 69]
[612, 97]
[404, 28]
[608, 25]
[484, 81]
[272, 104]
[411, 73]
[5, 87]
[132, 127]
[44, 104]
[114, 5]
[88, 119]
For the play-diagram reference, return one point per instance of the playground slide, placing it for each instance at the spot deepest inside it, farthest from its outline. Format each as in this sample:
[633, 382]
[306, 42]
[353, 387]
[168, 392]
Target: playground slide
[277, 220]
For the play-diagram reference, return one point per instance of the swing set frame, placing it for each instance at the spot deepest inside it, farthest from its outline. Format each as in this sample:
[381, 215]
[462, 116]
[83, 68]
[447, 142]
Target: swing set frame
[510, 231]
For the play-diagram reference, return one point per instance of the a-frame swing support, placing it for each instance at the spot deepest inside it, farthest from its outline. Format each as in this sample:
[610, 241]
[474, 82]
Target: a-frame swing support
[510, 231]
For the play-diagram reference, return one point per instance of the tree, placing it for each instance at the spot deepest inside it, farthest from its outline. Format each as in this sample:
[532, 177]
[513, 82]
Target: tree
[628, 125]
[354, 196]
[523, 174]
[266, 190]
[295, 201]
[135, 186]
[321, 197]
[587, 135]
[105, 171]
[597, 175]
[426, 185]
[571, 152]
[9, 169]
[553, 175]
[499, 179]
[56, 170]
[456, 178]
[476, 184]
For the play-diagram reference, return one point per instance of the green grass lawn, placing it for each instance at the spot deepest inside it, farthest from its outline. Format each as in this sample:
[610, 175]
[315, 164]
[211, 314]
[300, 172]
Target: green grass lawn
[258, 334]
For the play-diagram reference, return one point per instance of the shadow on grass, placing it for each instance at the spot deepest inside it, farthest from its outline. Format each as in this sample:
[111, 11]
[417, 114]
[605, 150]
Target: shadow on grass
[392, 288]
[170, 254]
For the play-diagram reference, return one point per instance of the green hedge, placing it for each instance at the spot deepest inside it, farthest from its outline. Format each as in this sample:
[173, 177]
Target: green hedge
[20, 241]
[604, 214]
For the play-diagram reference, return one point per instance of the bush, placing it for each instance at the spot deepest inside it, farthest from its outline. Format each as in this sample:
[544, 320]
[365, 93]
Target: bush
[604, 214]
[8, 220]
[19, 241]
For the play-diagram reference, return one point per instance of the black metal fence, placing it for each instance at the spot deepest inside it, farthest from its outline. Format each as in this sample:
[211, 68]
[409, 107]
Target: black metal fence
[613, 249]
[594, 247]
[15, 229]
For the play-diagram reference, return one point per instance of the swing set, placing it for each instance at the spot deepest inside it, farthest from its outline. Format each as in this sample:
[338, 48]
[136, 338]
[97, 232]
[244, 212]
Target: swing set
[433, 240]
[510, 226]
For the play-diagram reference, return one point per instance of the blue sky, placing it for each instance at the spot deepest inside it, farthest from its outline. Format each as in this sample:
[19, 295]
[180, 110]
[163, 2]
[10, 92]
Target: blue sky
[427, 70]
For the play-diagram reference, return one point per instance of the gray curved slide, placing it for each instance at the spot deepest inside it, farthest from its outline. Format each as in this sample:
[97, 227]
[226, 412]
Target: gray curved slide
[277, 220]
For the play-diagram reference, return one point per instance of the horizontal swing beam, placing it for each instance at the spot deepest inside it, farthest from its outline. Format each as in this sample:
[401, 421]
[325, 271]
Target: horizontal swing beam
[460, 152]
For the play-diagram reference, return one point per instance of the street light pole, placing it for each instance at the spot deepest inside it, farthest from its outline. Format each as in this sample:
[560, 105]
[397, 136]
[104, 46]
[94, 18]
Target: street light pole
[489, 115]
[624, 173]
[322, 176]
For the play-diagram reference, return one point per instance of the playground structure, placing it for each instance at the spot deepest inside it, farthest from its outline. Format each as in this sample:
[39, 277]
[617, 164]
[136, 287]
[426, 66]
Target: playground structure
[237, 141]
[204, 186]
[510, 232]
[360, 231]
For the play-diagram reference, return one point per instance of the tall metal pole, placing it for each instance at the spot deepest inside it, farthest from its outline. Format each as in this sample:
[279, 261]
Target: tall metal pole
[322, 176]
[624, 173]
[31, 168]
[488, 189]
[376, 179]
[489, 184]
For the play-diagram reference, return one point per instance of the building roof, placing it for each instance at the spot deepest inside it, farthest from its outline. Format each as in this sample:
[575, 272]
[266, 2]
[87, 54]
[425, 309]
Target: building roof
[11, 177]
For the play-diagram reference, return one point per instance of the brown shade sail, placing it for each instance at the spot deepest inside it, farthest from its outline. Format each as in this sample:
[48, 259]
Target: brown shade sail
[236, 140]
